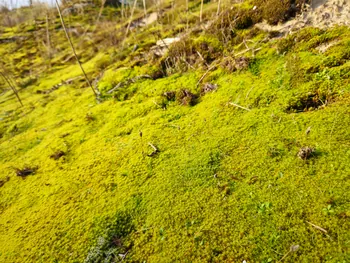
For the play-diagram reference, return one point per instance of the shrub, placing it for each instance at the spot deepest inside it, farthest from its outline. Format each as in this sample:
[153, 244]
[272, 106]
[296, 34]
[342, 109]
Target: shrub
[225, 26]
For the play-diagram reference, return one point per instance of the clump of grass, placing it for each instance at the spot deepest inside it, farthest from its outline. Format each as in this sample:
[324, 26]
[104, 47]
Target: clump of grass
[275, 11]
[231, 20]
[191, 53]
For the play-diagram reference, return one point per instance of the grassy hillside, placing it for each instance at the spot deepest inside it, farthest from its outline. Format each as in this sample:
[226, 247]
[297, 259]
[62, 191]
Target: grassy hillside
[225, 183]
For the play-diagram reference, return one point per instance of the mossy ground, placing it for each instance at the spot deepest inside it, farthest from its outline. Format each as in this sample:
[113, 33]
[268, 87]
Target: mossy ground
[226, 184]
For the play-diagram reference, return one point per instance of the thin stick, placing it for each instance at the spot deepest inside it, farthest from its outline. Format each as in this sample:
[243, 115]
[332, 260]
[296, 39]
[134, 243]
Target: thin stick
[187, 13]
[154, 147]
[218, 10]
[203, 76]
[292, 249]
[71, 45]
[130, 20]
[317, 227]
[122, 8]
[144, 8]
[12, 87]
[238, 106]
[48, 42]
[201, 11]
[201, 57]
[155, 150]
[100, 13]
[284, 257]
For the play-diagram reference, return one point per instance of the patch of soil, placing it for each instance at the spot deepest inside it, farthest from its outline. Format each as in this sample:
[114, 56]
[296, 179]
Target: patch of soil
[57, 155]
[306, 152]
[309, 102]
[170, 95]
[185, 97]
[24, 172]
[3, 181]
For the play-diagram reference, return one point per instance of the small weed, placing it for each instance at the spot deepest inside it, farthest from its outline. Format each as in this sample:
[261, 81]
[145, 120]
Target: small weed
[264, 208]
[329, 210]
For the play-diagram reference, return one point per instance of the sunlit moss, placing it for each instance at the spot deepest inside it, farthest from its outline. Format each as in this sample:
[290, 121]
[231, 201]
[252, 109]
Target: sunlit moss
[226, 184]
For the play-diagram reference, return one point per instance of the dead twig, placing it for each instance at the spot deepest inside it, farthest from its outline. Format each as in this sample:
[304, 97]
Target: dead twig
[144, 8]
[12, 87]
[317, 227]
[201, 57]
[130, 20]
[292, 249]
[201, 11]
[238, 106]
[218, 9]
[203, 76]
[155, 150]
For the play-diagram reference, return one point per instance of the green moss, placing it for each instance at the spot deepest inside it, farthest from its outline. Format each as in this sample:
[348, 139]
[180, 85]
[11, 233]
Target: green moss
[225, 184]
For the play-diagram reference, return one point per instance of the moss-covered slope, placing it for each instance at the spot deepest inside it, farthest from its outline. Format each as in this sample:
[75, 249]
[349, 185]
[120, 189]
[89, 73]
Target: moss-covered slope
[225, 183]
